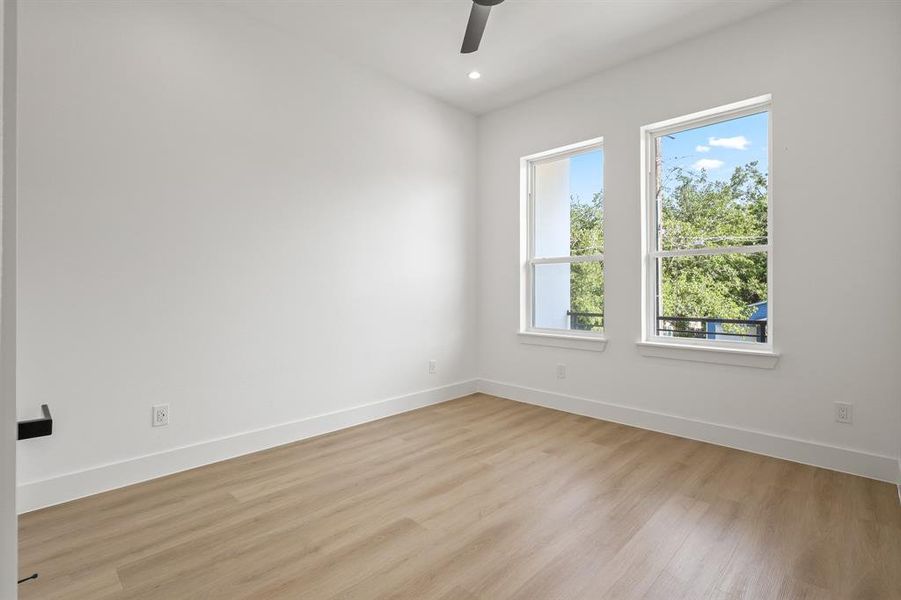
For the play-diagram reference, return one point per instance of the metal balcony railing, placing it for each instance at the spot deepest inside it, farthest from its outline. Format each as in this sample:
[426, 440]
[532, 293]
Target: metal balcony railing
[707, 329]
[576, 323]
[695, 327]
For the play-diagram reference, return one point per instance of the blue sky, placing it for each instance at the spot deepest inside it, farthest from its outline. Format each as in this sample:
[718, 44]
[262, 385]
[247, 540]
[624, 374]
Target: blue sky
[720, 147]
[586, 174]
[717, 148]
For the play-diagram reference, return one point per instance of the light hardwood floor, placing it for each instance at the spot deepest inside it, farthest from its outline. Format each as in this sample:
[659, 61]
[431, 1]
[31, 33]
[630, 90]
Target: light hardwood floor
[477, 498]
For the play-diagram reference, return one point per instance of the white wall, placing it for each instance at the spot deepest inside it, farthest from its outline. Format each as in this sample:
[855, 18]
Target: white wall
[8, 428]
[215, 216]
[833, 71]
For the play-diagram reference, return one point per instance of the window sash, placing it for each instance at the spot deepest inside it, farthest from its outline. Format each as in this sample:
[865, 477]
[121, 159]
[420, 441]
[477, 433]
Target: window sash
[532, 289]
[711, 251]
[537, 160]
[531, 260]
[558, 260]
[651, 219]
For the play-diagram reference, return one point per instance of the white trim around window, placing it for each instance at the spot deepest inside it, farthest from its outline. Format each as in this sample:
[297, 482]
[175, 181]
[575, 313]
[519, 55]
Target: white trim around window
[757, 354]
[528, 333]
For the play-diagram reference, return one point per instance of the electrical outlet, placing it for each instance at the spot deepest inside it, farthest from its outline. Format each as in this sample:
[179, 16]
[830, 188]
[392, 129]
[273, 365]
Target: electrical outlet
[561, 371]
[433, 367]
[160, 415]
[844, 412]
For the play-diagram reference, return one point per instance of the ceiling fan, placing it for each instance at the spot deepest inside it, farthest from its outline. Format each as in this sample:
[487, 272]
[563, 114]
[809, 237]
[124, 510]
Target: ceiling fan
[478, 17]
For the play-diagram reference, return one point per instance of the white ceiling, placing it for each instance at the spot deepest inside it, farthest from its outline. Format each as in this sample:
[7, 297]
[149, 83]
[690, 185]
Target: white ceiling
[529, 46]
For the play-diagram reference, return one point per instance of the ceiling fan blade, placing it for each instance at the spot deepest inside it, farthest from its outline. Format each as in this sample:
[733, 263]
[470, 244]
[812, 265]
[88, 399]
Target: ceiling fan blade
[478, 17]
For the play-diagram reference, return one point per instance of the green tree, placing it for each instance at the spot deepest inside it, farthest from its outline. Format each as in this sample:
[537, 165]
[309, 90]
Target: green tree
[587, 279]
[695, 212]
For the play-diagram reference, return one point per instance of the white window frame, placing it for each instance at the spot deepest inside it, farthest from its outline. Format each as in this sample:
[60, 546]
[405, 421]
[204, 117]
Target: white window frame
[657, 345]
[528, 333]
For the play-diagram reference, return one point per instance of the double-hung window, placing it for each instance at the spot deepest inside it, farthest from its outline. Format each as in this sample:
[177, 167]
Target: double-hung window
[563, 250]
[708, 229]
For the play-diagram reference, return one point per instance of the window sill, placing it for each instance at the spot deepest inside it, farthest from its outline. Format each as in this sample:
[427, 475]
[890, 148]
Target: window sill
[593, 343]
[760, 359]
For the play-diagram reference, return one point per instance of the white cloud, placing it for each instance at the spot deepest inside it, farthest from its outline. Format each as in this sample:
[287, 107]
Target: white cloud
[738, 142]
[707, 164]
[702, 148]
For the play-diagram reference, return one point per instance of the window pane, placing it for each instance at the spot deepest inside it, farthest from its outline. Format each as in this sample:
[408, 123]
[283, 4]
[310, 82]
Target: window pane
[570, 296]
[722, 297]
[569, 205]
[587, 296]
[712, 185]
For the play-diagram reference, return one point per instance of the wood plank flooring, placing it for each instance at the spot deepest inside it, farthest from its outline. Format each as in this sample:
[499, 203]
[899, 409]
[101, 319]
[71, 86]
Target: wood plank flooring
[476, 499]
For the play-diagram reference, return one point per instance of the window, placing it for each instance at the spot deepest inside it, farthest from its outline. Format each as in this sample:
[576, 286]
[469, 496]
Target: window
[564, 241]
[708, 257]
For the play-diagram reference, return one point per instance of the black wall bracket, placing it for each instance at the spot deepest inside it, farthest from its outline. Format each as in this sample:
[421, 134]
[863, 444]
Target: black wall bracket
[37, 427]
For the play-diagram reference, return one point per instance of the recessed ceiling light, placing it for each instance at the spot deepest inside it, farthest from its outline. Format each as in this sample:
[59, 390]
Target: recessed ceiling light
[474, 74]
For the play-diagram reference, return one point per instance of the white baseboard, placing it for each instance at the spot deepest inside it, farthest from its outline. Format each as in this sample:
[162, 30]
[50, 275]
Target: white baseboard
[846, 460]
[55, 490]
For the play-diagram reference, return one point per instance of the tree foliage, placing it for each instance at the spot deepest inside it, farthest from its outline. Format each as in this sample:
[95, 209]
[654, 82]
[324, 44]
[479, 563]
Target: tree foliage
[701, 213]
[587, 279]
[696, 212]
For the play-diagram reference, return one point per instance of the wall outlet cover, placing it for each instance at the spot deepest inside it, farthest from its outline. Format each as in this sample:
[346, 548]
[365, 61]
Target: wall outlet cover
[160, 415]
[844, 412]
